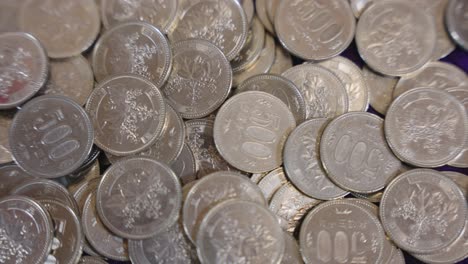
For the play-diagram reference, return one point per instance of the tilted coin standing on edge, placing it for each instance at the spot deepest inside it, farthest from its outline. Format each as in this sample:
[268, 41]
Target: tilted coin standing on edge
[313, 29]
[461, 94]
[460, 179]
[51, 136]
[23, 69]
[252, 48]
[283, 61]
[292, 255]
[250, 131]
[426, 127]
[249, 9]
[5, 122]
[272, 182]
[456, 21]
[133, 48]
[262, 13]
[185, 165]
[381, 89]
[128, 114]
[359, 6]
[91, 260]
[395, 37]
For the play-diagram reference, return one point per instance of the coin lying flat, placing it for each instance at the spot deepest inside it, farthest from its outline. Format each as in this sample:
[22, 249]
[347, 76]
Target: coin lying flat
[210, 191]
[283, 61]
[461, 94]
[11, 176]
[27, 230]
[426, 127]
[456, 21]
[65, 28]
[423, 211]
[272, 182]
[252, 47]
[133, 47]
[303, 165]
[91, 260]
[23, 68]
[380, 89]
[5, 153]
[324, 93]
[395, 37]
[51, 136]
[221, 22]
[292, 255]
[128, 113]
[200, 80]
[250, 131]
[235, 230]
[315, 30]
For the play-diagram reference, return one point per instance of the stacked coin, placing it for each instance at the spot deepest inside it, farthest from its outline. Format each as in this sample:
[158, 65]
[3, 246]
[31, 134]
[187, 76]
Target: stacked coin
[179, 131]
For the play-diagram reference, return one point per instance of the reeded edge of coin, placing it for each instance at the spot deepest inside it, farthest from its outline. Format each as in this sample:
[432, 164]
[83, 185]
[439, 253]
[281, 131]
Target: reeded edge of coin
[91, 260]
[451, 24]
[245, 28]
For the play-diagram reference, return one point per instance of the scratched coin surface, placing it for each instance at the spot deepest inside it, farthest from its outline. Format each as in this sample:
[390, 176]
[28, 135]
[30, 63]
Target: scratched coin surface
[128, 114]
[65, 28]
[27, 228]
[395, 37]
[303, 164]
[210, 191]
[341, 222]
[456, 21]
[223, 23]
[11, 176]
[200, 79]
[314, 29]
[272, 182]
[23, 68]
[380, 89]
[185, 165]
[282, 62]
[423, 211]
[250, 131]
[252, 47]
[5, 122]
[426, 127]
[133, 47]
[324, 93]
[51, 136]
[235, 230]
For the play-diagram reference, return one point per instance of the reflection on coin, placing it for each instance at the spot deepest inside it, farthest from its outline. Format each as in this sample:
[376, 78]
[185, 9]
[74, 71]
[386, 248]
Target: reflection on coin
[359, 6]
[252, 48]
[283, 61]
[184, 166]
[371, 197]
[460, 179]
[426, 127]
[235, 230]
[380, 89]
[91, 260]
[65, 28]
[128, 113]
[340, 221]
[313, 29]
[134, 47]
[23, 68]
[200, 80]
[27, 229]
[262, 13]
[210, 191]
[324, 93]
[423, 211]
[303, 165]
[461, 94]
[5, 153]
[250, 131]
[395, 37]
[92, 173]
[272, 182]
[10, 177]
[83, 190]
[456, 20]
[292, 255]
[256, 177]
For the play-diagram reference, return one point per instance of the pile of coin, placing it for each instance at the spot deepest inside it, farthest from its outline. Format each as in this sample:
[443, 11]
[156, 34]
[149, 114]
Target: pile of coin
[181, 132]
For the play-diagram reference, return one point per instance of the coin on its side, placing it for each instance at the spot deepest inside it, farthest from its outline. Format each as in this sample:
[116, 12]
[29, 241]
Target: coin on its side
[5, 153]
[91, 260]
[83, 190]
[380, 89]
[426, 127]
[252, 48]
[456, 21]
[249, 9]
[461, 94]
[185, 165]
[262, 13]
[250, 131]
[460, 179]
[272, 182]
[283, 61]
[11, 176]
[359, 6]
[272, 7]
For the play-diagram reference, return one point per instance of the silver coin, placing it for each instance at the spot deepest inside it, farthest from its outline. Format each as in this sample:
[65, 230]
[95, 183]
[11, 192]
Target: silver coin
[138, 198]
[200, 80]
[185, 165]
[10, 177]
[9, 10]
[249, 9]
[292, 255]
[91, 260]
[397, 257]
[83, 190]
[223, 23]
[262, 13]
[336, 225]
[456, 21]
[5, 153]
[426, 127]
[303, 165]
[68, 232]
[461, 94]
[250, 131]
[23, 68]
[272, 182]
[359, 6]
[380, 89]
[210, 191]
[315, 30]
[350, 74]
[93, 173]
[324, 93]
[272, 8]
[252, 48]
[128, 113]
[133, 47]
[240, 231]
[423, 211]
[280, 87]
[71, 77]
[256, 177]
[371, 197]
[460, 179]
[101, 239]
[26, 229]
[395, 37]
[65, 28]
[283, 61]
[355, 153]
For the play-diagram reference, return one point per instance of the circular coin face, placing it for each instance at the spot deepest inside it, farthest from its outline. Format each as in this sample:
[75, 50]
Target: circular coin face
[395, 37]
[200, 80]
[456, 22]
[134, 47]
[426, 127]
[51, 136]
[128, 113]
[315, 29]
[138, 198]
[235, 230]
[250, 131]
[423, 211]
[23, 68]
